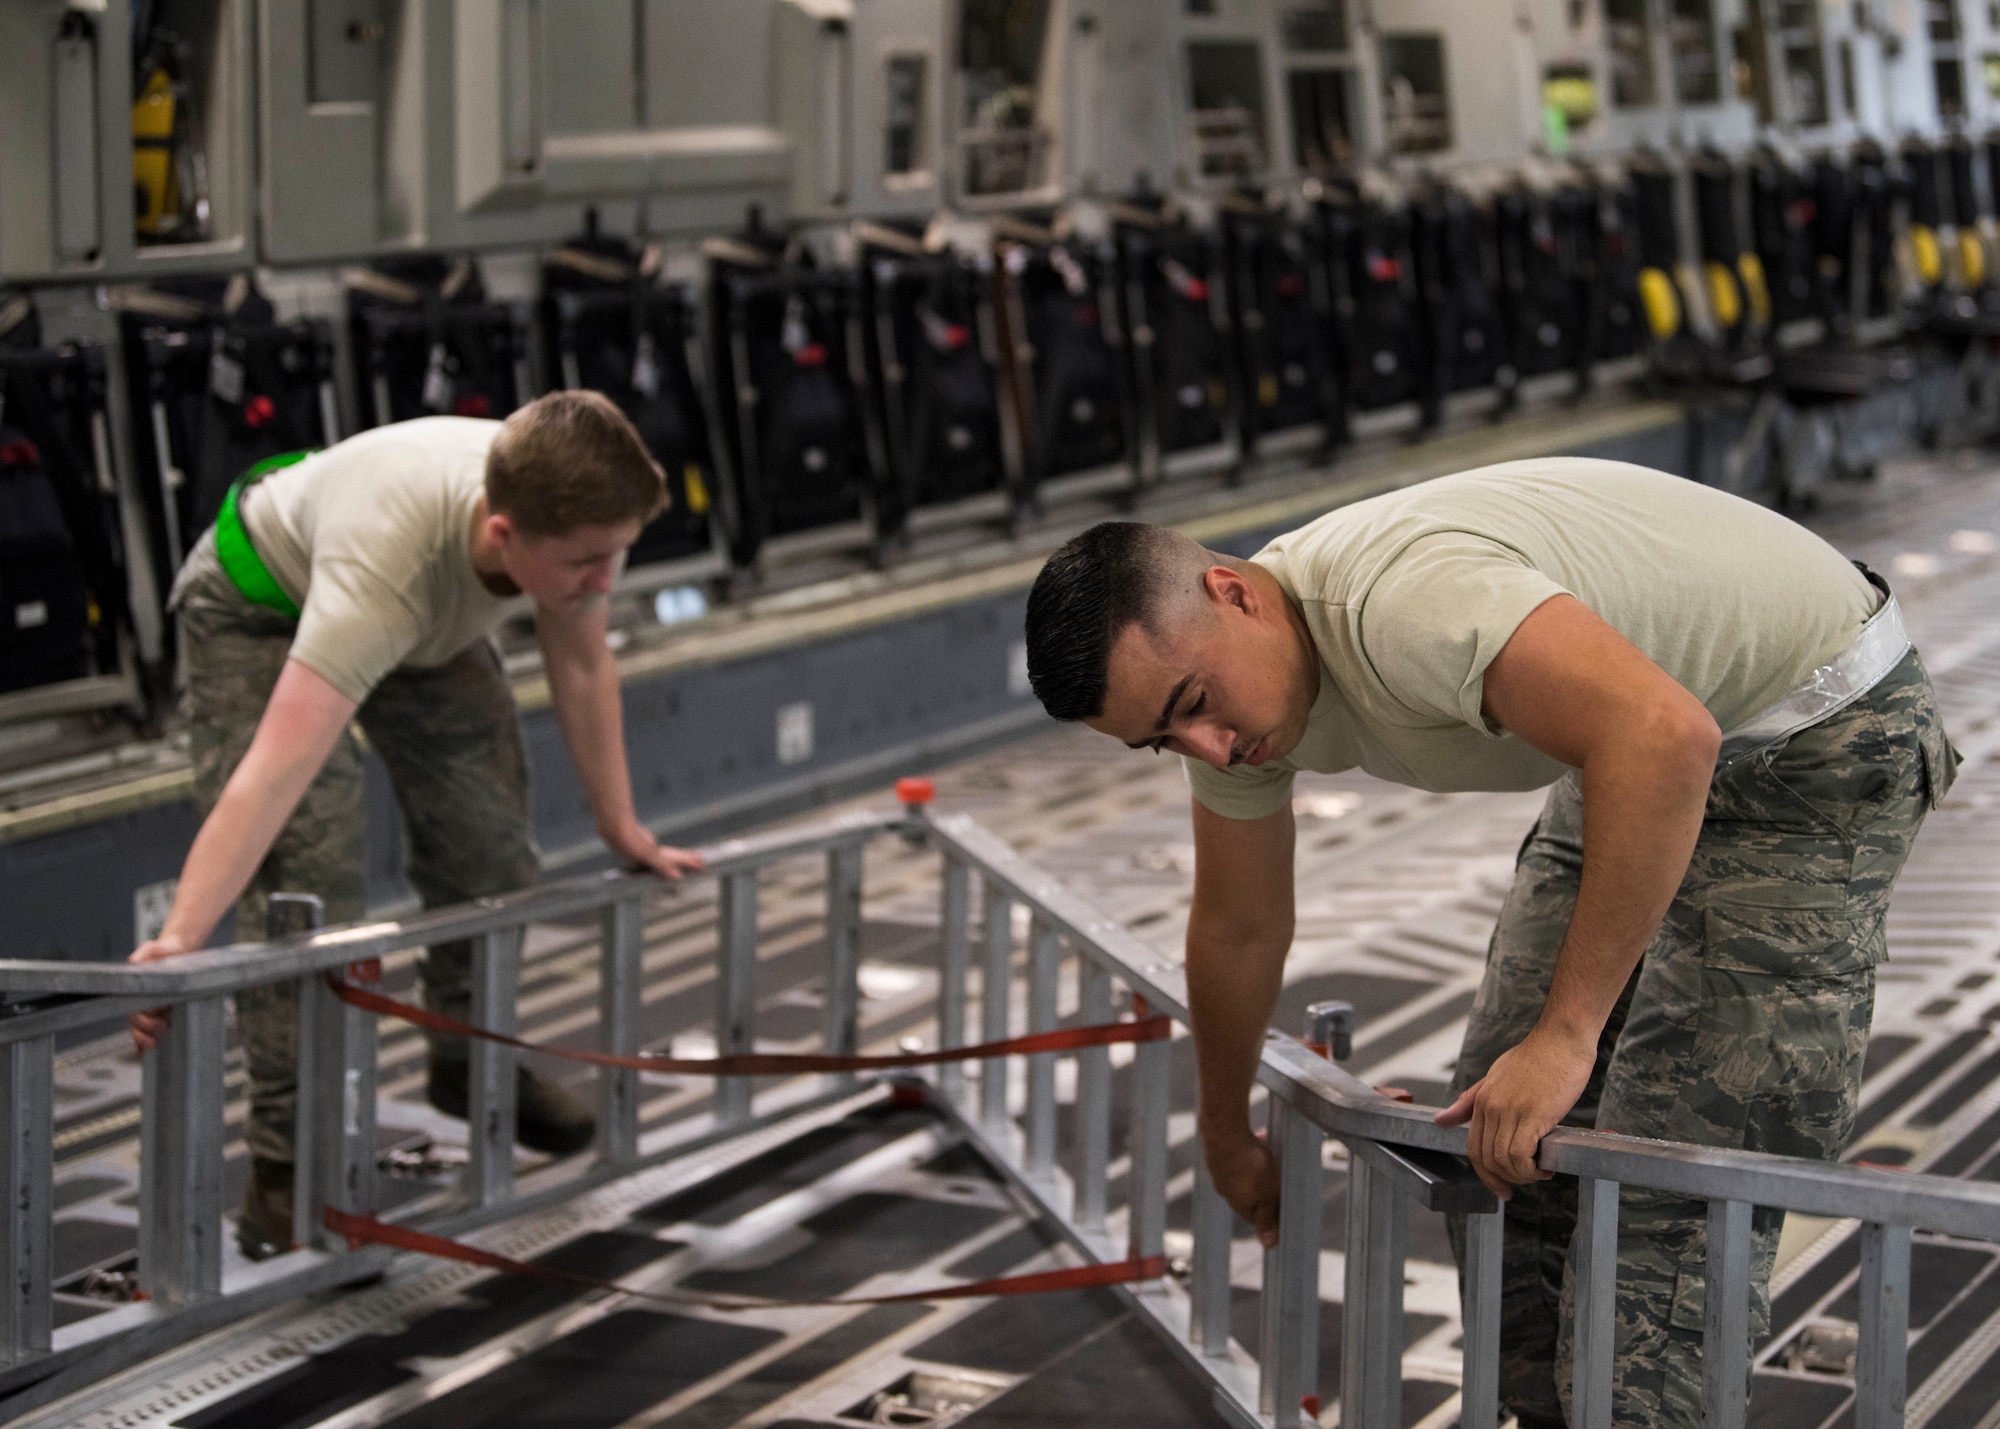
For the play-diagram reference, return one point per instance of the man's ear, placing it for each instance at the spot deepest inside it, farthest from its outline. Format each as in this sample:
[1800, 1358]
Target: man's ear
[500, 528]
[1227, 587]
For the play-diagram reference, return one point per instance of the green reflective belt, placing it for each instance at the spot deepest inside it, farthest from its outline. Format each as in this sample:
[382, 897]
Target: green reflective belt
[240, 561]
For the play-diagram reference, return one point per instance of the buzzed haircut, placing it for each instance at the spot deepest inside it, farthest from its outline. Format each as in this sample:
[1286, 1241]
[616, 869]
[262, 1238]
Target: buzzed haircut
[1116, 574]
[572, 459]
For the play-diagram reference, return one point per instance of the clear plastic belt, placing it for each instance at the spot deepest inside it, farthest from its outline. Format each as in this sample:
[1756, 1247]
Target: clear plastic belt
[1878, 649]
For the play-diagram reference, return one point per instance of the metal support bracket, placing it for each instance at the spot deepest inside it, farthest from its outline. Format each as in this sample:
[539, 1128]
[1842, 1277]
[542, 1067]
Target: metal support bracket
[735, 987]
[842, 1032]
[490, 1117]
[1435, 1180]
[180, 1158]
[27, 1173]
[620, 1003]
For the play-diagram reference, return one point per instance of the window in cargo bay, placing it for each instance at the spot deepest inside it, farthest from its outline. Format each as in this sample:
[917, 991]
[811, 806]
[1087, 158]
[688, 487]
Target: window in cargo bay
[1991, 65]
[1783, 58]
[903, 151]
[1947, 57]
[1802, 56]
[1226, 97]
[1003, 140]
[1949, 75]
[1691, 37]
[1415, 114]
[1322, 119]
[1753, 64]
[1319, 28]
[1628, 37]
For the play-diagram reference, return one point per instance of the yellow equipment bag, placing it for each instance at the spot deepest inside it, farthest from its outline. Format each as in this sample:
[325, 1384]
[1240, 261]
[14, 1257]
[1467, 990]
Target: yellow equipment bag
[1971, 258]
[1924, 251]
[155, 185]
[1751, 269]
[1663, 308]
[1725, 300]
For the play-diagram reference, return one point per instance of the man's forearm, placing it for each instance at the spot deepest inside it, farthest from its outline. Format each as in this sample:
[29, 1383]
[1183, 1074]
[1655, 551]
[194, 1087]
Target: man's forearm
[1642, 812]
[301, 724]
[231, 843]
[1233, 986]
[585, 693]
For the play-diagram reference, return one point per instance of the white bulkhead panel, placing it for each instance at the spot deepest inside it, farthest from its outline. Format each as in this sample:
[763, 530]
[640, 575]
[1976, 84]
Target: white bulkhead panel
[1123, 115]
[1903, 40]
[323, 67]
[28, 34]
[528, 133]
[813, 70]
[899, 64]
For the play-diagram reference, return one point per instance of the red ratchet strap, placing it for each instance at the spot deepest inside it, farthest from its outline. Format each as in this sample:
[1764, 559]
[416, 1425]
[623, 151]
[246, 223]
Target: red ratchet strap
[367, 1230]
[769, 1064]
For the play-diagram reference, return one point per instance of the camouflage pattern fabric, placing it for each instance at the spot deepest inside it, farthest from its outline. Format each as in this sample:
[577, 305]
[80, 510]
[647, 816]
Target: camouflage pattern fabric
[1743, 1026]
[452, 746]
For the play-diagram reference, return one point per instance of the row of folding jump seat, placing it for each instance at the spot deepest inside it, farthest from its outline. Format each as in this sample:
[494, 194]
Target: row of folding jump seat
[1951, 267]
[1469, 297]
[1801, 317]
[930, 381]
[983, 372]
[797, 402]
[1054, 356]
[67, 622]
[213, 382]
[1149, 345]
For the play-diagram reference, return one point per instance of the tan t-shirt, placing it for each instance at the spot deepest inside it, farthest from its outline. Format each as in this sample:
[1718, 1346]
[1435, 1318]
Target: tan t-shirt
[372, 538]
[1409, 596]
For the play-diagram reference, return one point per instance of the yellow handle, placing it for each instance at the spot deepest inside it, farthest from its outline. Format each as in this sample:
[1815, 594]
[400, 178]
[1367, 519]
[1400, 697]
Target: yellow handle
[1751, 269]
[1971, 258]
[1924, 249]
[1663, 308]
[1724, 298]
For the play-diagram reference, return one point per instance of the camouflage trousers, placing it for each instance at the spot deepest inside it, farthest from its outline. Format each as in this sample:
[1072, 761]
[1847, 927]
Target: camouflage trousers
[1744, 1026]
[449, 738]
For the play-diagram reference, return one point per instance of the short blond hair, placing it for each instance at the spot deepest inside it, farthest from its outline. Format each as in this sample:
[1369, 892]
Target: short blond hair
[572, 459]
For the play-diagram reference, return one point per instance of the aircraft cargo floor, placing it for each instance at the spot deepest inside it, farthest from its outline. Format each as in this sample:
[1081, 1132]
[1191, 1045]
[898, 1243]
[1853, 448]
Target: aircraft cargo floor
[1398, 891]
